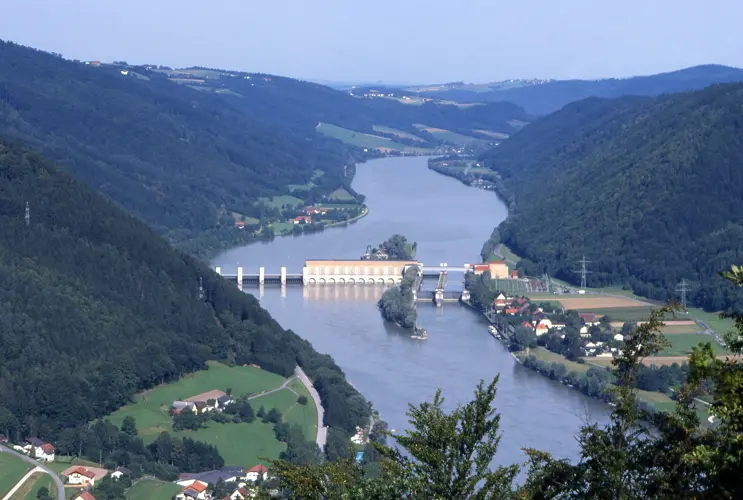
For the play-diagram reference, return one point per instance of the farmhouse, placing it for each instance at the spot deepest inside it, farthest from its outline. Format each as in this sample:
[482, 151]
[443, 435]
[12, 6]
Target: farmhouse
[256, 472]
[121, 471]
[38, 449]
[541, 329]
[240, 493]
[207, 401]
[84, 476]
[306, 219]
[196, 490]
[85, 495]
[500, 301]
[589, 319]
[315, 211]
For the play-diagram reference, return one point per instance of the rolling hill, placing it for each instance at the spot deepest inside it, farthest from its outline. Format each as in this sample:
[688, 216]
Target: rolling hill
[648, 189]
[543, 97]
[96, 307]
[184, 150]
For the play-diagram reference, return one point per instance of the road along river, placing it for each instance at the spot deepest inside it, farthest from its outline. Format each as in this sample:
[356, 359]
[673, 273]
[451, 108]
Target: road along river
[450, 222]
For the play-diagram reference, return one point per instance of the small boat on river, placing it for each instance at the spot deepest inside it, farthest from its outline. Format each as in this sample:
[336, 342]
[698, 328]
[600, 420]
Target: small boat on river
[419, 333]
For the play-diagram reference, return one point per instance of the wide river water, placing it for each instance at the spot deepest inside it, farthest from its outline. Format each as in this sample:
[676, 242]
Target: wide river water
[450, 222]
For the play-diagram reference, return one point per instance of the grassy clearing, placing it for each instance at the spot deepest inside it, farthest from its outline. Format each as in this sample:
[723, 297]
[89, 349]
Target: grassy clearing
[34, 484]
[239, 444]
[306, 187]
[449, 136]
[360, 139]
[713, 320]
[681, 344]
[12, 469]
[284, 199]
[150, 489]
[398, 133]
[150, 408]
[340, 194]
[491, 133]
[339, 206]
[508, 254]
[549, 357]
[282, 227]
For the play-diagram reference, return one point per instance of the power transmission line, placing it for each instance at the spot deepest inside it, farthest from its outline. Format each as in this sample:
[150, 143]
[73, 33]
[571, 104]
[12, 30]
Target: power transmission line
[584, 272]
[684, 287]
[28, 215]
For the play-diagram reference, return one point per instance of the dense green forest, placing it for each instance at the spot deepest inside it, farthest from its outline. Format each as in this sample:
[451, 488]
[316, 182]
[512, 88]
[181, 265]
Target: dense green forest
[647, 189]
[547, 97]
[95, 307]
[186, 158]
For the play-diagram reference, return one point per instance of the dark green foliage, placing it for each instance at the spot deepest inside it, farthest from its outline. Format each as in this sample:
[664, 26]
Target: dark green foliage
[302, 400]
[646, 189]
[43, 494]
[298, 449]
[397, 304]
[543, 98]
[241, 409]
[109, 488]
[398, 248]
[188, 420]
[84, 278]
[273, 416]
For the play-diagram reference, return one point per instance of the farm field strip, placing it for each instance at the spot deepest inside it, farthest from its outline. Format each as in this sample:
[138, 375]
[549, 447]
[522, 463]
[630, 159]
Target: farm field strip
[12, 469]
[598, 303]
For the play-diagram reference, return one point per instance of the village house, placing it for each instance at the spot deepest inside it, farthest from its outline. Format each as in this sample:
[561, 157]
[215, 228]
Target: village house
[619, 337]
[240, 224]
[590, 319]
[194, 491]
[84, 476]
[515, 274]
[500, 301]
[546, 322]
[558, 326]
[511, 311]
[302, 219]
[85, 495]
[528, 325]
[315, 211]
[257, 472]
[121, 471]
[38, 449]
[241, 493]
[541, 329]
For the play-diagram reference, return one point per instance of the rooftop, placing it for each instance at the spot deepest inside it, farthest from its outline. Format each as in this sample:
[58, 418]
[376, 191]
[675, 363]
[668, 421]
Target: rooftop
[205, 396]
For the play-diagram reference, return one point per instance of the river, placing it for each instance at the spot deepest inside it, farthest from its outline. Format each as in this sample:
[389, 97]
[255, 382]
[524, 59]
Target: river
[450, 222]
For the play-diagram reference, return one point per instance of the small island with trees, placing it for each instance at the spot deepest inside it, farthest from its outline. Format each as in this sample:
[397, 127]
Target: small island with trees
[396, 247]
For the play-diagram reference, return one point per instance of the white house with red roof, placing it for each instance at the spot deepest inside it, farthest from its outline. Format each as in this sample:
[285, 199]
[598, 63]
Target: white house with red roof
[39, 449]
[257, 472]
[197, 490]
[541, 329]
[85, 495]
[83, 476]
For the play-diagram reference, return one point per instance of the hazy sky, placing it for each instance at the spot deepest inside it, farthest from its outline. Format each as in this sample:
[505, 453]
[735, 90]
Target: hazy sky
[412, 41]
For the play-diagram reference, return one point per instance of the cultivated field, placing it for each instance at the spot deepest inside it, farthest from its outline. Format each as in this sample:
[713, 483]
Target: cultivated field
[364, 140]
[448, 136]
[490, 133]
[12, 469]
[398, 133]
[284, 199]
[150, 489]
[597, 303]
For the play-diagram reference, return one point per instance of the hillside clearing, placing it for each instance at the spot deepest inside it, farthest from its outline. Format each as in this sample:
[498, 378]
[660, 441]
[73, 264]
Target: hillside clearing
[150, 489]
[398, 133]
[12, 469]
[340, 194]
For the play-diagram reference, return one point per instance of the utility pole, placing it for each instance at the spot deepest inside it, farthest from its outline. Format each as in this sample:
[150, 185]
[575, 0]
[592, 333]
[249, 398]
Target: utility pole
[584, 272]
[684, 287]
[28, 215]
[201, 288]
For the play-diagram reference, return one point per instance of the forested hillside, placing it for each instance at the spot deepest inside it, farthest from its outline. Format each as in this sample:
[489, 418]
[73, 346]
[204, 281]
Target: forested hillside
[649, 190]
[94, 307]
[546, 97]
[175, 157]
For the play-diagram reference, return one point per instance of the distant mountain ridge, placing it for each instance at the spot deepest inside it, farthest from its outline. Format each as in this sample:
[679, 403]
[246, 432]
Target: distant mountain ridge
[546, 96]
[646, 188]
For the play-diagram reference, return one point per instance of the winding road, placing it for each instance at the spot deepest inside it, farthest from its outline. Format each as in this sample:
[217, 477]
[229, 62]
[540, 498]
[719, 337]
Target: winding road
[322, 431]
[38, 467]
